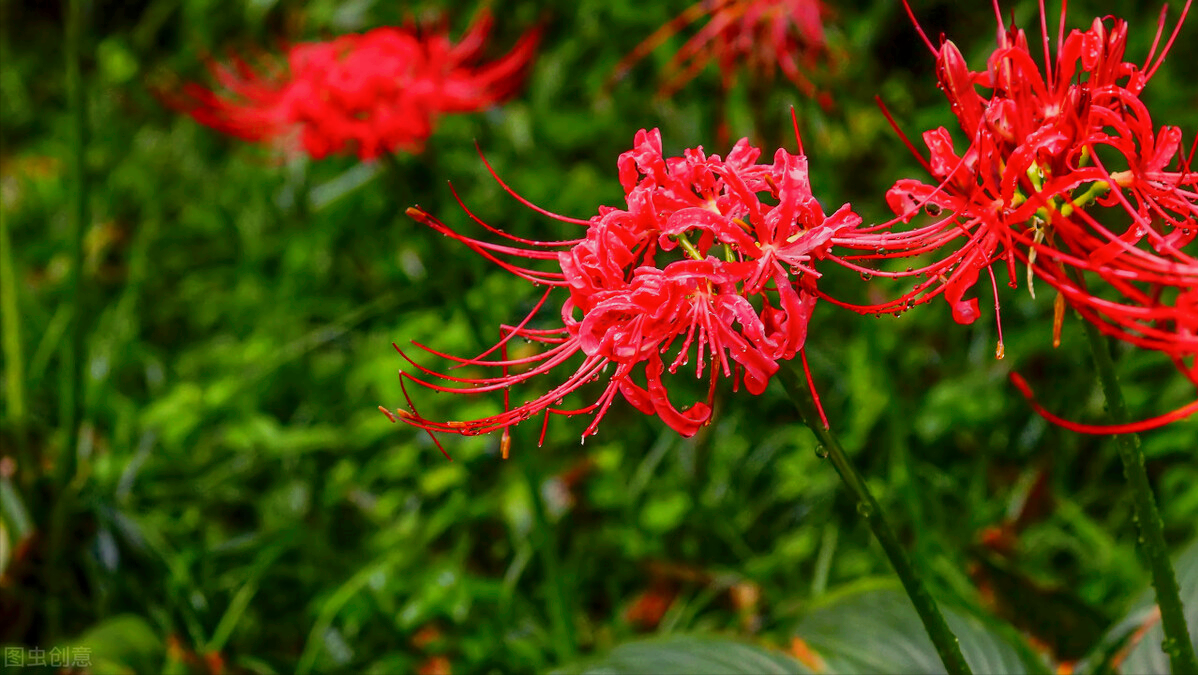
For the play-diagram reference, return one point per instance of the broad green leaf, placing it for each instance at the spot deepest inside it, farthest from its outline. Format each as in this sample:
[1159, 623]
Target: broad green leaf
[1134, 644]
[877, 630]
[122, 644]
[689, 655]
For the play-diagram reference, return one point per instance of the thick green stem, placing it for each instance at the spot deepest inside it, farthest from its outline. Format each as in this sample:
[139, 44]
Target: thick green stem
[562, 625]
[945, 642]
[1177, 643]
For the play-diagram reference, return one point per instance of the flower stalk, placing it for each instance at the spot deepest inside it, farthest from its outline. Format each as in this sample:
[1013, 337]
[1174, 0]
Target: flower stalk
[1177, 644]
[946, 643]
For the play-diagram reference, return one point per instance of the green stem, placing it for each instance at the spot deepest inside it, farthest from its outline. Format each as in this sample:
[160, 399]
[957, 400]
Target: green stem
[543, 540]
[78, 200]
[70, 371]
[1177, 643]
[10, 318]
[687, 246]
[945, 642]
[14, 370]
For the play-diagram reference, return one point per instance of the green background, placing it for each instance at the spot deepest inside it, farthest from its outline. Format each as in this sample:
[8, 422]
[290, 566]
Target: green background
[241, 502]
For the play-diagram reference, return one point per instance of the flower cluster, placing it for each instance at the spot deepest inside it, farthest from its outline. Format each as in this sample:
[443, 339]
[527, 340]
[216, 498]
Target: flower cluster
[710, 259]
[765, 35]
[368, 93]
[1064, 173]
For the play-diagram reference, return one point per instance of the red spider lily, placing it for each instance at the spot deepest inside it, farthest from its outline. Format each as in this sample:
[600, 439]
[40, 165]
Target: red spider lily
[710, 259]
[369, 93]
[1066, 174]
[763, 34]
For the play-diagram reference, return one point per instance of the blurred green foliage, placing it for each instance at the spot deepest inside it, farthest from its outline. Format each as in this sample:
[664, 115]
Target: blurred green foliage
[240, 504]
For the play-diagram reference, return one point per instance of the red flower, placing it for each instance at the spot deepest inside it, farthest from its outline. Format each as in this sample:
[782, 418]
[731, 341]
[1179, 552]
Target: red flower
[368, 93]
[1038, 184]
[763, 34]
[711, 260]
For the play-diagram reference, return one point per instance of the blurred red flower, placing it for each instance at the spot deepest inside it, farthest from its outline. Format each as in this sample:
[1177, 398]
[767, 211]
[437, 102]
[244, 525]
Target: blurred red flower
[710, 259]
[763, 35]
[369, 93]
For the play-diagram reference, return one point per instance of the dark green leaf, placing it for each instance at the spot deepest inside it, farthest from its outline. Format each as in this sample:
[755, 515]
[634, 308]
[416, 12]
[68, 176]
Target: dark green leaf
[689, 655]
[877, 630]
[1134, 644]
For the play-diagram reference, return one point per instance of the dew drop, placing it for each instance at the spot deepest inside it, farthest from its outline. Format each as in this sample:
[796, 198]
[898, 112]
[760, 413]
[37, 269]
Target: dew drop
[865, 509]
[821, 451]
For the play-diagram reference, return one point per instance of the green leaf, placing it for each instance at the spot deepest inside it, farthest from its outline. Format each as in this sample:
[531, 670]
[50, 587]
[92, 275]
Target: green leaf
[122, 644]
[687, 655]
[1133, 645]
[877, 630]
